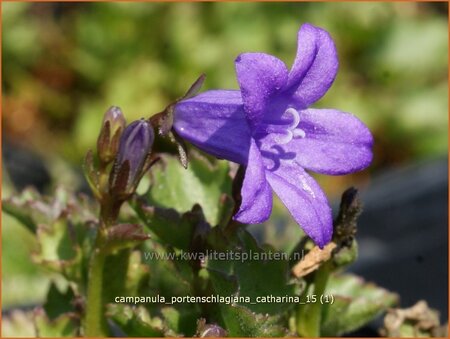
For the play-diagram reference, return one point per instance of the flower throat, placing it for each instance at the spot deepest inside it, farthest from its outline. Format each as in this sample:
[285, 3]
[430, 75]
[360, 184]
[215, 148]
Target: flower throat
[284, 129]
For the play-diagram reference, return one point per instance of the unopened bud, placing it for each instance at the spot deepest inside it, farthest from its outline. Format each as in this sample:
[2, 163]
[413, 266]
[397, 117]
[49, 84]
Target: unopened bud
[205, 330]
[132, 157]
[108, 141]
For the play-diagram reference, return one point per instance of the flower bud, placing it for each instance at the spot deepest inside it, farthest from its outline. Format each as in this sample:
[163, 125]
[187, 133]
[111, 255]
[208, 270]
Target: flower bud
[112, 127]
[213, 331]
[132, 157]
[205, 330]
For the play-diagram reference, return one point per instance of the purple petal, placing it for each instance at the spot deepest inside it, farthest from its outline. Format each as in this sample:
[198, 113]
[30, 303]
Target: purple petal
[135, 143]
[315, 65]
[260, 76]
[335, 142]
[304, 199]
[215, 122]
[256, 193]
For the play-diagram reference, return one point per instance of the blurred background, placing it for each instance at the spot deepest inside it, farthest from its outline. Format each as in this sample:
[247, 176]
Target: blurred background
[64, 64]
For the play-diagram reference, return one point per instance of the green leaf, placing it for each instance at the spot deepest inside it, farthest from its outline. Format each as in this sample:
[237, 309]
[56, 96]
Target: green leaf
[356, 303]
[32, 209]
[58, 302]
[167, 276]
[224, 285]
[172, 317]
[202, 183]
[135, 322]
[25, 209]
[65, 325]
[63, 226]
[23, 282]
[257, 272]
[169, 226]
[240, 321]
[58, 250]
[57, 253]
[263, 275]
[181, 319]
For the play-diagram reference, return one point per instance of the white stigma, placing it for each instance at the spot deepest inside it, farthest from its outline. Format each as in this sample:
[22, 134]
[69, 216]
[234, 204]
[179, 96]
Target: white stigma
[292, 130]
[295, 117]
[285, 128]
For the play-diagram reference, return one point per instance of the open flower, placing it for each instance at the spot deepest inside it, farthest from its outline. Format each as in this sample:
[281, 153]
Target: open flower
[268, 127]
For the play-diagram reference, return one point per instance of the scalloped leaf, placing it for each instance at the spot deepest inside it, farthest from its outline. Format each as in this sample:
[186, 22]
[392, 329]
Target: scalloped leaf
[25, 209]
[65, 325]
[257, 272]
[203, 183]
[33, 209]
[356, 303]
[59, 302]
[169, 226]
[58, 250]
[168, 276]
[135, 322]
[239, 320]
[63, 226]
[181, 319]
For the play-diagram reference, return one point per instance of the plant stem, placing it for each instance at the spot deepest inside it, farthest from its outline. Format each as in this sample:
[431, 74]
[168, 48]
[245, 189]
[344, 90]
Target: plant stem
[95, 324]
[310, 315]
[94, 321]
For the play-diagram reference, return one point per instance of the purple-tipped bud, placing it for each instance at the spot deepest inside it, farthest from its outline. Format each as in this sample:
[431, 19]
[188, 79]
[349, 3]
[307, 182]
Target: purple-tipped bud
[116, 119]
[205, 330]
[112, 127]
[134, 147]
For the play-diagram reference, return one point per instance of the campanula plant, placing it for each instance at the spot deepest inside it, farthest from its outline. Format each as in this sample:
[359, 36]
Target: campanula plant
[269, 127]
[127, 258]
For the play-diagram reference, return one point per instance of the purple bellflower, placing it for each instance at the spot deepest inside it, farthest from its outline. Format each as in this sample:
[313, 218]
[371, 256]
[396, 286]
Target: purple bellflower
[268, 127]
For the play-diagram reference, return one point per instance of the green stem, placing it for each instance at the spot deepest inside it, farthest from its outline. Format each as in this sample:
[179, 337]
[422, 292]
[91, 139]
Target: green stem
[95, 324]
[94, 321]
[109, 211]
[310, 315]
[94, 318]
